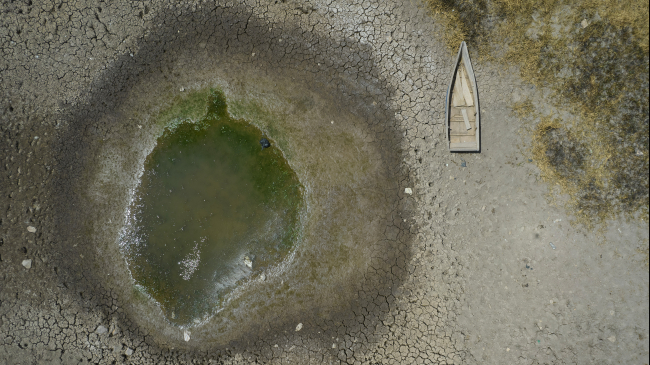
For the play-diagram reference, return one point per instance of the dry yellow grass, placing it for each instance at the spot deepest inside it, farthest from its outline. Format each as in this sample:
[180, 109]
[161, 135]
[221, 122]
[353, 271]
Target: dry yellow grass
[594, 55]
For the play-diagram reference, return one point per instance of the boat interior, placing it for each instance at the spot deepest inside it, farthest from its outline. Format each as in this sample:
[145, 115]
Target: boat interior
[462, 113]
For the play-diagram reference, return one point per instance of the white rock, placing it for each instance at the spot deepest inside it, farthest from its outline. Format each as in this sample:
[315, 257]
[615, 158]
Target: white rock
[248, 262]
[31, 229]
[101, 330]
[186, 335]
[584, 23]
[298, 327]
[128, 352]
[612, 338]
[263, 277]
[27, 264]
[408, 191]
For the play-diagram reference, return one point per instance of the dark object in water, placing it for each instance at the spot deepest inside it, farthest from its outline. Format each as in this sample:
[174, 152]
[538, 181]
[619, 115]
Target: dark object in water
[265, 143]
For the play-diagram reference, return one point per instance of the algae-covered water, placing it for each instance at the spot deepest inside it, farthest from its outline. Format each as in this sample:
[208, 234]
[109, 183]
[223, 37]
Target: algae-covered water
[213, 208]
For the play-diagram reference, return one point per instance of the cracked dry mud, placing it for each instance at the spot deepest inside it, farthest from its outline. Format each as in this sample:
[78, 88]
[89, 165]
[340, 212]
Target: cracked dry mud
[461, 271]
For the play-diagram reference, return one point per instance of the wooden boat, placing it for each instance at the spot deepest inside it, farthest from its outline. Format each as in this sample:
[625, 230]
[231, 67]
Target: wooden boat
[461, 107]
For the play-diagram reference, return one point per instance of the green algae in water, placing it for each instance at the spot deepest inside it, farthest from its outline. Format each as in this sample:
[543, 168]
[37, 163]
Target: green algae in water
[210, 203]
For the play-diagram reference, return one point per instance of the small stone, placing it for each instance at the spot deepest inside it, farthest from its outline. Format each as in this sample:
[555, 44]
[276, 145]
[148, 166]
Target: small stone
[27, 264]
[263, 277]
[248, 262]
[186, 335]
[584, 23]
[451, 177]
[128, 352]
[182, 89]
[408, 191]
[101, 330]
[298, 327]
[333, 345]
[31, 229]
[612, 338]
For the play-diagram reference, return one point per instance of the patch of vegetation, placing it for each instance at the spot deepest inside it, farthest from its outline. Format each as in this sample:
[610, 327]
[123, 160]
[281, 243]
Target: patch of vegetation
[562, 159]
[191, 107]
[594, 55]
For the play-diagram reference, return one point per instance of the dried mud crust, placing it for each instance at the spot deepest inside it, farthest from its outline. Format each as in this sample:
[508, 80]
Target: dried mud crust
[465, 274]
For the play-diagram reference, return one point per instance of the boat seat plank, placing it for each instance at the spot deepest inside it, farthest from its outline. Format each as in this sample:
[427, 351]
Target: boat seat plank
[467, 139]
[457, 98]
[458, 129]
[464, 82]
[461, 119]
[456, 114]
[467, 126]
[463, 146]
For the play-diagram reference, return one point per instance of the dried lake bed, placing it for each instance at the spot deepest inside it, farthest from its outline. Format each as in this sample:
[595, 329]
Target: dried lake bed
[408, 254]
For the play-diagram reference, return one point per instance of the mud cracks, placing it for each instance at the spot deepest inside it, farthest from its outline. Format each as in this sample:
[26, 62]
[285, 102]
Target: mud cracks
[326, 107]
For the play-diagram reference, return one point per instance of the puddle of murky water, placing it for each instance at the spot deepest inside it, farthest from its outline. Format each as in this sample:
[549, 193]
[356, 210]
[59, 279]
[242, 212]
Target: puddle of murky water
[213, 208]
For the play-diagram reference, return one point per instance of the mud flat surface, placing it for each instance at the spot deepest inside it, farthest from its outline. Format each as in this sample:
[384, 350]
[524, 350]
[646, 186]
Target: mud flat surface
[472, 267]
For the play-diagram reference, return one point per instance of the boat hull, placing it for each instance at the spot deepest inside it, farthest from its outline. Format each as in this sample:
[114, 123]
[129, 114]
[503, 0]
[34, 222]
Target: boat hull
[462, 116]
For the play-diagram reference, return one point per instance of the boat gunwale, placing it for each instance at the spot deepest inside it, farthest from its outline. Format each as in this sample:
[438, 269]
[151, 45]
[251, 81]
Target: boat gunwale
[464, 56]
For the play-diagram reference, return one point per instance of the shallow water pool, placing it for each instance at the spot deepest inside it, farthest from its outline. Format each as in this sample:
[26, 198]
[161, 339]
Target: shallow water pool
[213, 209]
